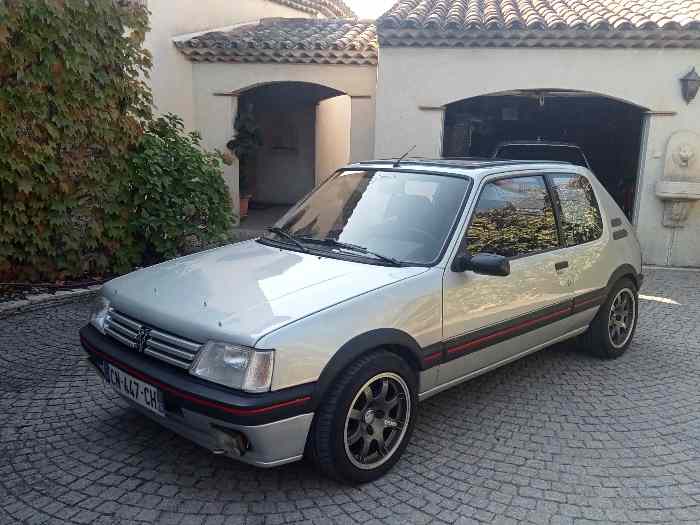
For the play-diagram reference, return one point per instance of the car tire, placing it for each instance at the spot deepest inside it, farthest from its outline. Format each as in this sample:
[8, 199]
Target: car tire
[366, 419]
[611, 331]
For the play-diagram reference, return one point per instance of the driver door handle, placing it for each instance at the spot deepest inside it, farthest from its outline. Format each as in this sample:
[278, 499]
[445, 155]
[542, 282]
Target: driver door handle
[561, 265]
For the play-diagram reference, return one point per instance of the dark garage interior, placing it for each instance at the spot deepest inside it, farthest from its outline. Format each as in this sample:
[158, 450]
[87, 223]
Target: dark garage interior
[609, 131]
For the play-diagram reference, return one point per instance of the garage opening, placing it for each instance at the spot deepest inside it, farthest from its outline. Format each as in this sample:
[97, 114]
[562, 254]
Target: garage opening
[607, 131]
[295, 134]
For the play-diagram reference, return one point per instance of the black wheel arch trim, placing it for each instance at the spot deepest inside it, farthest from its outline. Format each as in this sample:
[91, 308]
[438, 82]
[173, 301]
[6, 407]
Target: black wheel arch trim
[392, 339]
[589, 300]
[625, 270]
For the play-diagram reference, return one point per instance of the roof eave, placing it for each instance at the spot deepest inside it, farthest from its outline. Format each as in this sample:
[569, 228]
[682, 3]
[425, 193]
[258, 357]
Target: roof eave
[528, 38]
[280, 56]
[328, 8]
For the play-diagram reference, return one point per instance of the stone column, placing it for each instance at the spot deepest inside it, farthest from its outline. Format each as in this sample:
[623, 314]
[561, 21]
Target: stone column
[219, 113]
[232, 172]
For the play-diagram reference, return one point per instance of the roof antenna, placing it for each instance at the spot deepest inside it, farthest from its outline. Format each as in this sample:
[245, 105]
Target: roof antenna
[398, 161]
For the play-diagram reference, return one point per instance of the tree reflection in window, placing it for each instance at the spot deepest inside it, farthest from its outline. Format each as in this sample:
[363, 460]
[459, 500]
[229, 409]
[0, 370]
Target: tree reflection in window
[580, 217]
[513, 217]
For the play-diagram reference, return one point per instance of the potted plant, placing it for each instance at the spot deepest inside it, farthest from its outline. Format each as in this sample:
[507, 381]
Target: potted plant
[245, 144]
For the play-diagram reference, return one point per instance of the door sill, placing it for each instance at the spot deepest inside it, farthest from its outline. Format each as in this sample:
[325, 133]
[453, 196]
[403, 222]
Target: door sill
[441, 388]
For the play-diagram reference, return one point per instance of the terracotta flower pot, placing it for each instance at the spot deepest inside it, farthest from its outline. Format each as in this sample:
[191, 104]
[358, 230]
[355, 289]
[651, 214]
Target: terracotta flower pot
[244, 205]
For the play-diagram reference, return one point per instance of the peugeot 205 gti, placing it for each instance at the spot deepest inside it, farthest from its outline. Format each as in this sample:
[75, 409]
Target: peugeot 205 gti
[391, 282]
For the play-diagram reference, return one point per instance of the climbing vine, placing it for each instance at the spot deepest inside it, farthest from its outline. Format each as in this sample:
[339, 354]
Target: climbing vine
[73, 102]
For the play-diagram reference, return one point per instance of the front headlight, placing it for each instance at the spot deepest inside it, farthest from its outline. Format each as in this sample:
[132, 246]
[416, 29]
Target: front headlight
[235, 366]
[98, 315]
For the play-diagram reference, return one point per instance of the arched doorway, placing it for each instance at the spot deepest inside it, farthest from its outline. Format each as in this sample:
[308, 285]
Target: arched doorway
[609, 131]
[292, 121]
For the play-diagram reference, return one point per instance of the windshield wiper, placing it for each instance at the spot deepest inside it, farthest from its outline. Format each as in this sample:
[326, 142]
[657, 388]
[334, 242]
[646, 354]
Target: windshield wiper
[284, 233]
[328, 241]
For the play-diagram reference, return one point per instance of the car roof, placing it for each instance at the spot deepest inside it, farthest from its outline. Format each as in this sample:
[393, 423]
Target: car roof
[469, 167]
[536, 143]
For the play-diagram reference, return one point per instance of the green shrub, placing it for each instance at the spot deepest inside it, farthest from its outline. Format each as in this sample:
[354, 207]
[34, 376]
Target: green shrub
[72, 97]
[179, 196]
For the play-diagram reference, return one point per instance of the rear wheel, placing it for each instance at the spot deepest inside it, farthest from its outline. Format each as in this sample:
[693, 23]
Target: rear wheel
[364, 424]
[612, 329]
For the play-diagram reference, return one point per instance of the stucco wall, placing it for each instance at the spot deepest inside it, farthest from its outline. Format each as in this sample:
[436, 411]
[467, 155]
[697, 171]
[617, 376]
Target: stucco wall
[414, 83]
[171, 75]
[332, 135]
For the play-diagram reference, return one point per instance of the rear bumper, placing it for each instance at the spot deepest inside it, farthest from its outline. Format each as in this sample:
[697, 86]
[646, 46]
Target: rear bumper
[275, 424]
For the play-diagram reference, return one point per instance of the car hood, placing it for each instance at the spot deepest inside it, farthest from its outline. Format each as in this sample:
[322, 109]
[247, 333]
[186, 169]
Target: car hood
[242, 291]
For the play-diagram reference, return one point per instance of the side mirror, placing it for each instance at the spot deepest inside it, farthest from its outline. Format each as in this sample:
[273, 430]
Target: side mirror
[461, 263]
[485, 263]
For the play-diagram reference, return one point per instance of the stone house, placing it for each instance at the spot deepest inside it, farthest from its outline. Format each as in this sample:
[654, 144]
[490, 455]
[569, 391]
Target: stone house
[452, 78]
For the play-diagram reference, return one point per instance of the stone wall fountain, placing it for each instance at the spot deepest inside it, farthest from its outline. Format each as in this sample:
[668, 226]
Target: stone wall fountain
[679, 187]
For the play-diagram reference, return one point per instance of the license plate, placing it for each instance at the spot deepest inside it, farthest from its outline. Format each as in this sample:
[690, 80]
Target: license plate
[134, 389]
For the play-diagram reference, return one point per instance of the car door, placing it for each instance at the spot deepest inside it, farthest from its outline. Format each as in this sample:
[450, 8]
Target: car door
[488, 319]
[581, 224]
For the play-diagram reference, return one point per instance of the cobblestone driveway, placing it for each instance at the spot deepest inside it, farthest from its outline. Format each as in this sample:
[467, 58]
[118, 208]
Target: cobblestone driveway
[558, 437]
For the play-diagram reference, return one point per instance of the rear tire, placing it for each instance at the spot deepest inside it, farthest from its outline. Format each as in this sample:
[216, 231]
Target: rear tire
[366, 420]
[611, 331]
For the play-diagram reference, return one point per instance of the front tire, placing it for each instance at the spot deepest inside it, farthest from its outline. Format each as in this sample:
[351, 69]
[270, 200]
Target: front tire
[364, 424]
[612, 329]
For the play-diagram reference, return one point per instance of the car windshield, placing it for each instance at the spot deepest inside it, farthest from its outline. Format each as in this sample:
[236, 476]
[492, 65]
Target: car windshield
[558, 152]
[394, 216]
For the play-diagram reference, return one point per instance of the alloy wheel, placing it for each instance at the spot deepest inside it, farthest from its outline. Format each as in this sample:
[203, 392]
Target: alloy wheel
[621, 318]
[377, 420]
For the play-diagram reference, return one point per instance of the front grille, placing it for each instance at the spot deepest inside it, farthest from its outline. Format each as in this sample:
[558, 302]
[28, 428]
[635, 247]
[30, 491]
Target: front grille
[155, 343]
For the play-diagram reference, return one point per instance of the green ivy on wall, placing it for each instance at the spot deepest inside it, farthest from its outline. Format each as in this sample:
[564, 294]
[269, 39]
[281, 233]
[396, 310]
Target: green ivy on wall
[73, 99]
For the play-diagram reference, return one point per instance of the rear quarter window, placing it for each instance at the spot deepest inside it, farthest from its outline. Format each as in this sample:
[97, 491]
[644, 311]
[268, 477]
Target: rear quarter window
[579, 212]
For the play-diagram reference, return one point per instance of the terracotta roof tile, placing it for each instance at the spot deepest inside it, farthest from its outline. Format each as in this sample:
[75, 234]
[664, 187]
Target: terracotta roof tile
[287, 40]
[329, 8]
[606, 23]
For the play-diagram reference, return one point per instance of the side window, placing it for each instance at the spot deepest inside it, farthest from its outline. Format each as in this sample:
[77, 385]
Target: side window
[513, 217]
[580, 216]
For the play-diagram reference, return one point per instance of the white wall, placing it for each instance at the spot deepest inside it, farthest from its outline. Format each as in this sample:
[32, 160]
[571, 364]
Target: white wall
[171, 75]
[363, 110]
[234, 78]
[332, 135]
[411, 79]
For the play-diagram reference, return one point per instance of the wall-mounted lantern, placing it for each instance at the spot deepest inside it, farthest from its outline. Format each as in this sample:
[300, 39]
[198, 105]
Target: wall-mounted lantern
[689, 85]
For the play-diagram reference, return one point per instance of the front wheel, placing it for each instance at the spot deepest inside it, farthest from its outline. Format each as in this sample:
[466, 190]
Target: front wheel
[612, 329]
[364, 425]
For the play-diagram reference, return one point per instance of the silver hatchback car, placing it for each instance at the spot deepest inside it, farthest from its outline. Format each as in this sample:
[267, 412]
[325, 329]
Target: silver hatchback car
[391, 282]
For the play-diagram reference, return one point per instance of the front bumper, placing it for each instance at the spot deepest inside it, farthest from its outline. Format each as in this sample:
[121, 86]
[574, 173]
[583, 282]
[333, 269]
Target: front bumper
[275, 424]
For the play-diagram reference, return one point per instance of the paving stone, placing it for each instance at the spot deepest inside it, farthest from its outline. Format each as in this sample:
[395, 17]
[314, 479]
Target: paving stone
[557, 437]
[12, 305]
